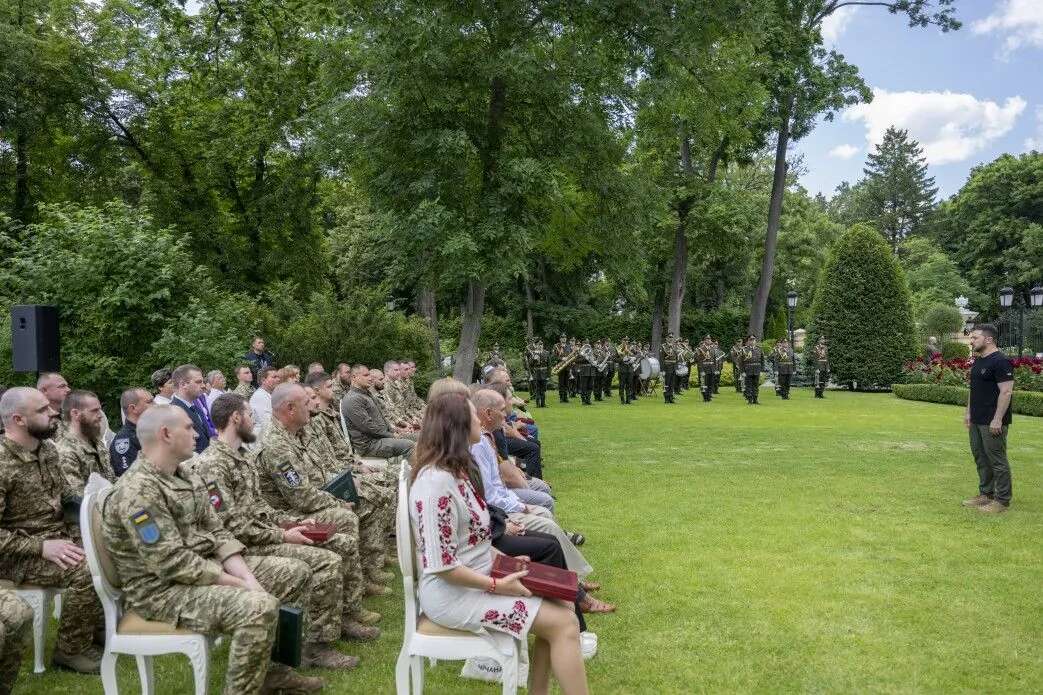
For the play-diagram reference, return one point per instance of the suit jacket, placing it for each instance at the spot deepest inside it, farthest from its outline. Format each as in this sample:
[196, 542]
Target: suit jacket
[203, 440]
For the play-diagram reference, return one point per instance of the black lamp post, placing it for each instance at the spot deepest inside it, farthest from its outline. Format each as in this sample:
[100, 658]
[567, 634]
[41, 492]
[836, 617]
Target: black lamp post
[791, 305]
[1007, 301]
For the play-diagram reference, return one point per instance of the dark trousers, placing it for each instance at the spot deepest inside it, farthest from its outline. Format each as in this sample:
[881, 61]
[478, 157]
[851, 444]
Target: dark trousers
[539, 391]
[990, 456]
[586, 386]
[610, 373]
[563, 386]
[738, 375]
[784, 385]
[626, 384]
[636, 387]
[669, 379]
[598, 385]
[574, 382]
[751, 387]
[529, 455]
[821, 379]
[539, 547]
[706, 383]
[716, 376]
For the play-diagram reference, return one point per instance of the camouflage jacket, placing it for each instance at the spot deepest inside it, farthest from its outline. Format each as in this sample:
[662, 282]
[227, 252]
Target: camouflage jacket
[388, 402]
[79, 459]
[234, 492]
[244, 390]
[327, 424]
[161, 531]
[290, 477]
[32, 489]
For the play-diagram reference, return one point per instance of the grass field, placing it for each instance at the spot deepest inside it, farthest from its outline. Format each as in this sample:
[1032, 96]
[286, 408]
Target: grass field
[803, 546]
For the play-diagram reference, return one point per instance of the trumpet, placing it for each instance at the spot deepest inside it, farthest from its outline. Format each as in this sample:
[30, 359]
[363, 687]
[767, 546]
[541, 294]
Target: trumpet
[569, 359]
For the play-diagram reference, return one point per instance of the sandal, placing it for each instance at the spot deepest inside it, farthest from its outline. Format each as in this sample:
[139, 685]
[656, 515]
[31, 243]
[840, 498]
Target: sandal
[577, 539]
[591, 605]
[590, 586]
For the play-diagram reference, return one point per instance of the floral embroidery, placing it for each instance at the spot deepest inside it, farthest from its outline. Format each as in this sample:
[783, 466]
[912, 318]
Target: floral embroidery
[476, 530]
[513, 622]
[420, 532]
[445, 531]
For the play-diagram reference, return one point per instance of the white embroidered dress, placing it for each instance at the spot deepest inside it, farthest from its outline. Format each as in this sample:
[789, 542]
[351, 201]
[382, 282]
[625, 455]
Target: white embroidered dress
[451, 525]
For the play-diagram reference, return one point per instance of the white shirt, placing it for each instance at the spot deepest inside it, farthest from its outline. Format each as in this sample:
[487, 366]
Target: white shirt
[161, 400]
[261, 404]
[212, 396]
[496, 493]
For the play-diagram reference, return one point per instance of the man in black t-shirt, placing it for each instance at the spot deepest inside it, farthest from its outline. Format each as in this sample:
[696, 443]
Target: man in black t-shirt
[987, 419]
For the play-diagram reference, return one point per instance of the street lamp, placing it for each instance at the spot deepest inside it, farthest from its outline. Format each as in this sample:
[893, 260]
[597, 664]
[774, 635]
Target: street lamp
[791, 305]
[1036, 295]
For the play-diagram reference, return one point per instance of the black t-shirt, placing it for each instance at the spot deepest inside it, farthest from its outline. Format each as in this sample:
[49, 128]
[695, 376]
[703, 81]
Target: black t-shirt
[986, 375]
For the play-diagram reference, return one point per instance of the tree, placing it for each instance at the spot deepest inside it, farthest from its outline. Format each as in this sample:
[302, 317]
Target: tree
[898, 194]
[933, 277]
[941, 321]
[807, 81]
[862, 307]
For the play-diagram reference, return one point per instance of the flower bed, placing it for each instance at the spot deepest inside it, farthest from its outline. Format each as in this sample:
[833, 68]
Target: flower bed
[1028, 372]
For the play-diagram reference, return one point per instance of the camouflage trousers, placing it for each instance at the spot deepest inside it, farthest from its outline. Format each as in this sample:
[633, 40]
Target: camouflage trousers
[16, 620]
[81, 610]
[346, 543]
[378, 499]
[326, 598]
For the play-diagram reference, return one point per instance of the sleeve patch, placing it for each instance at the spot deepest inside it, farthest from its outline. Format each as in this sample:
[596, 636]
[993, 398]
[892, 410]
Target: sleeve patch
[146, 526]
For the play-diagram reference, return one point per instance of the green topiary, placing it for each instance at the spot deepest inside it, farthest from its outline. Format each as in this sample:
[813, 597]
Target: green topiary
[953, 350]
[862, 307]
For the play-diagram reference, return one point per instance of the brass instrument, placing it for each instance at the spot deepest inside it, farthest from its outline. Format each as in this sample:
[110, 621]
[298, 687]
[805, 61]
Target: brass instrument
[569, 359]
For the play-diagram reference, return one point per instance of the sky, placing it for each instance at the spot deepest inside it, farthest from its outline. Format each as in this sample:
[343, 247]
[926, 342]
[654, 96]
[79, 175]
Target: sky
[967, 96]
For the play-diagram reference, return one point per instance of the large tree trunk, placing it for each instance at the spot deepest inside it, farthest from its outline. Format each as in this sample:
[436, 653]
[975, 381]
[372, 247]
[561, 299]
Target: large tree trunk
[530, 330]
[657, 322]
[680, 274]
[778, 188]
[470, 328]
[427, 306]
[21, 210]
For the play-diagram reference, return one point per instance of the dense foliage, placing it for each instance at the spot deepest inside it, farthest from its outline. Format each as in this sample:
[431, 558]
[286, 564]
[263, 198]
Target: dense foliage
[1022, 403]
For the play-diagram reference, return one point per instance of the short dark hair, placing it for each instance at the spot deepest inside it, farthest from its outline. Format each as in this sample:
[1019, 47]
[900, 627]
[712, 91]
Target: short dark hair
[224, 407]
[988, 329]
[262, 374]
[130, 397]
[316, 379]
[75, 401]
[180, 374]
[160, 377]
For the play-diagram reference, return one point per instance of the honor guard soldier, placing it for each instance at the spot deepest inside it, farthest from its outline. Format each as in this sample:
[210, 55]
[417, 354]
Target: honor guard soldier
[625, 367]
[821, 356]
[668, 354]
[718, 364]
[561, 351]
[784, 359]
[752, 363]
[537, 361]
[685, 355]
[585, 365]
[705, 359]
[735, 355]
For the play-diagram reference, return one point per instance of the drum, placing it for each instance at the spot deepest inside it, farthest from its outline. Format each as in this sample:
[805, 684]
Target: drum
[648, 369]
[682, 369]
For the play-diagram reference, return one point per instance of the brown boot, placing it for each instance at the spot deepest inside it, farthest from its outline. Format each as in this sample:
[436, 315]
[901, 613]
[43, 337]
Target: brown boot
[357, 632]
[87, 661]
[993, 507]
[283, 680]
[374, 589]
[977, 501]
[324, 656]
[368, 617]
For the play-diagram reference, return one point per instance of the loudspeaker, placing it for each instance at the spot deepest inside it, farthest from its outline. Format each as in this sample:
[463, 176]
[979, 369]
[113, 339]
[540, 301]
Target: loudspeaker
[35, 344]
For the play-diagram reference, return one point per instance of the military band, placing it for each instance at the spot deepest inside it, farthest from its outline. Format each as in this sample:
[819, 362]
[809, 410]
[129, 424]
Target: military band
[784, 359]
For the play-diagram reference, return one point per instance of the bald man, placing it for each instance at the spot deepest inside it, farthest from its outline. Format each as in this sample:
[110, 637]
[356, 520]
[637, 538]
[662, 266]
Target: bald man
[179, 565]
[37, 545]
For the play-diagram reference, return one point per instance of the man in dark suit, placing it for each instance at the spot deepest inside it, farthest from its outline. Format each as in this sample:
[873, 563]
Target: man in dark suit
[188, 385]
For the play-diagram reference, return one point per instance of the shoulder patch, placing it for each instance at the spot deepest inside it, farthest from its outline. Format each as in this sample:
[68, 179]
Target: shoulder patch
[290, 475]
[122, 446]
[213, 493]
[146, 526]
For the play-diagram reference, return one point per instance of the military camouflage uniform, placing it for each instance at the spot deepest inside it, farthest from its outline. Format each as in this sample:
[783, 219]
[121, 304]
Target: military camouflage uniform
[79, 459]
[388, 404]
[234, 493]
[290, 481]
[168, 543]
[415, 404]
[16, 619]
[244, 390]
[339, 390]
[32, 489]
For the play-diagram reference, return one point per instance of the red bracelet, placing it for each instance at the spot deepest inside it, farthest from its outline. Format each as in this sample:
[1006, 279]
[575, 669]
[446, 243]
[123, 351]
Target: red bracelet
[492, 589]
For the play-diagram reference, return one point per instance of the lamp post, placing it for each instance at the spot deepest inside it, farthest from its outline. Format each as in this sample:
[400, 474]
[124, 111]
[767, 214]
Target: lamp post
[1036, 299]
[1006, 301]
[791, 305]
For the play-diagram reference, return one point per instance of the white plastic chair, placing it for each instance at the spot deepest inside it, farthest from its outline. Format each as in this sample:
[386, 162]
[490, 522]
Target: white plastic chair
[424, 638]
[40, 599]
[128, 633]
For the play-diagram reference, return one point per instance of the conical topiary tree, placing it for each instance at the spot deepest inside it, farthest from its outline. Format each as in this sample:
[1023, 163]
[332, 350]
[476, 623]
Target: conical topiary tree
[862, 307]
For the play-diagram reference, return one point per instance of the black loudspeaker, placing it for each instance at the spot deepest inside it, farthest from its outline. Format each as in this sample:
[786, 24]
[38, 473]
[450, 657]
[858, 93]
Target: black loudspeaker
[35, 344]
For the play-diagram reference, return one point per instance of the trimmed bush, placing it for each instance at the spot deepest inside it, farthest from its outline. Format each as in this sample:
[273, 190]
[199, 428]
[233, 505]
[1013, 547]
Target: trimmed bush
[1022, 403]
[952, 350]
[862, 307]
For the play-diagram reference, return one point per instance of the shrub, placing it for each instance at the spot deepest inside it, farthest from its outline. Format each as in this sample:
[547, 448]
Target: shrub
[862, 307]
[953, 350]
[942, 320]
[1022, 403]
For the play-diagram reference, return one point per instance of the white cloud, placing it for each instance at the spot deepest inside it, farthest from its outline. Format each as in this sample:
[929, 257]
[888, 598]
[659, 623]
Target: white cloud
[835, 24]
[950, 126]
[1036, 142]
[1021, 21]
[844, 151]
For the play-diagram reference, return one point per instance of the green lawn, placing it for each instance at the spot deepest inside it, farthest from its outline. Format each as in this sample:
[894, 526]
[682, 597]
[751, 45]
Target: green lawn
[800, 546]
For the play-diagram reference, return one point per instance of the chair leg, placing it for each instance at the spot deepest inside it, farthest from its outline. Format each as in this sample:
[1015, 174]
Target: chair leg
[416, 669]
[200, 668]
[402, 667]
[108, 672]
[509, 674]
[36, 602]
[58, 606]
[148, 681]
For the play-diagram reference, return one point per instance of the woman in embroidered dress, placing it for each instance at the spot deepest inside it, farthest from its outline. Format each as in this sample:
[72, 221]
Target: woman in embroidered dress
[451, 525]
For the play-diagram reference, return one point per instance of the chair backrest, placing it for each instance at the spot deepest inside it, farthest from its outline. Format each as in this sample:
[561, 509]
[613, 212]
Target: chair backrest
[406, 548]
[103, 571]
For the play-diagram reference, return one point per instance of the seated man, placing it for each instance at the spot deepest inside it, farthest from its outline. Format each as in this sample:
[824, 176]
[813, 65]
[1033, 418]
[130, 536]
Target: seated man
[125, 445]
[527, 450]
[37, 545]
[235, 495]
[81, 449]
[244, 386]
[188, 388]
[390, 406]
[291, 481]
[370, 432]
[512, 476]
[499, 495]
[178, 565]
[261, 400]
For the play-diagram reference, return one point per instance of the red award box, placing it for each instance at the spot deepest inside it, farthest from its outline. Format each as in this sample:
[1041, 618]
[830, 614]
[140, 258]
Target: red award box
[542, 580]
[320, 533]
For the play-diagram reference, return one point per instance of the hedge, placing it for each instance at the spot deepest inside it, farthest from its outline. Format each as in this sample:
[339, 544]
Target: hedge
[1023, 402]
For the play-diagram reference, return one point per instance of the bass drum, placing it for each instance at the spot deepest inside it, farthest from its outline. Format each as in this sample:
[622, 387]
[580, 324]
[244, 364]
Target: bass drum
[682, 369]
[648, 369]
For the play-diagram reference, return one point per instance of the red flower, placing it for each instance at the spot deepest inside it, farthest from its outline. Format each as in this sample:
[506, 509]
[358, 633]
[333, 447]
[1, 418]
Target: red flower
[491, 615]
